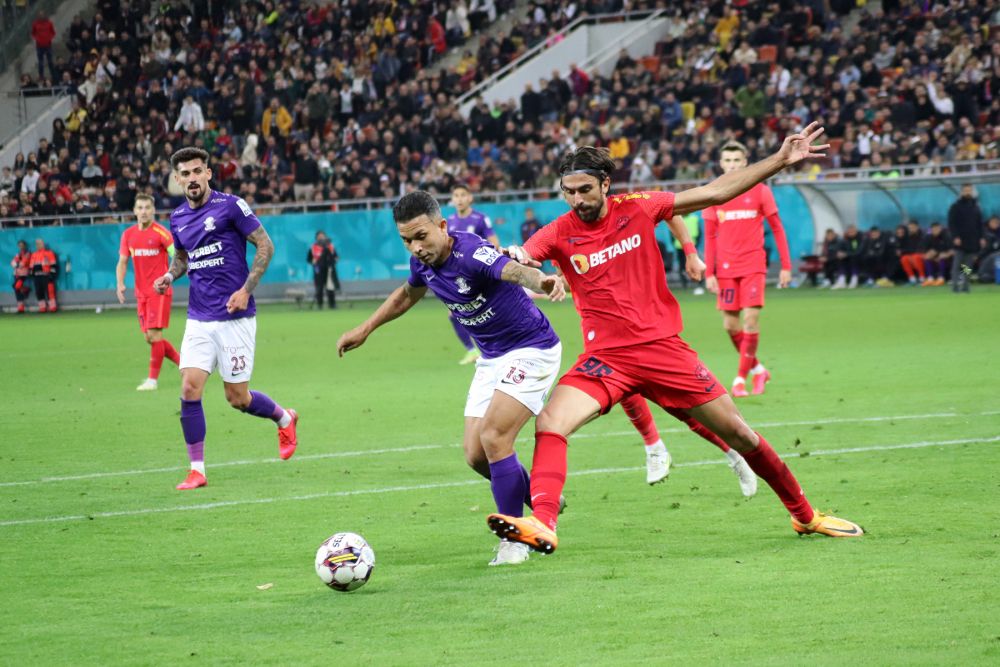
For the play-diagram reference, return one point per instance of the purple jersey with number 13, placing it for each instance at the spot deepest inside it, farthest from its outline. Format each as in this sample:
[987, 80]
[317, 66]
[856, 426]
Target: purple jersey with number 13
[498, 315]
[214, 236]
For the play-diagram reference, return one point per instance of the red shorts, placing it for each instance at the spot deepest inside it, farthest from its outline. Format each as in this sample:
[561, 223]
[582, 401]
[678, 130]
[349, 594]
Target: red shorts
[742, 292]
[666, 371]
[154, 311]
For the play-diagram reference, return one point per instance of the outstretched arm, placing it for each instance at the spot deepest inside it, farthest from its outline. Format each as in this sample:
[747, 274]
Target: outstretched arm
[400, 301]
[261, 258]
[796, 147]
[534, 280]
[178, 267]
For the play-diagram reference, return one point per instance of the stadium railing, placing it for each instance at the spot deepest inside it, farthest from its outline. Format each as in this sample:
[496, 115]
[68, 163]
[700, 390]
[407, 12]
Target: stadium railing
[909, 176]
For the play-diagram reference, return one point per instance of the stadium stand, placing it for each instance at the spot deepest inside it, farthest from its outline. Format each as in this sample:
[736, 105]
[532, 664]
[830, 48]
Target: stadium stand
[320, 102]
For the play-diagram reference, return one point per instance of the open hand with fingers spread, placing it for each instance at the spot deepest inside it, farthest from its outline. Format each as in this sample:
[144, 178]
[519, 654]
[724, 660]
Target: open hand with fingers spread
[798, 147]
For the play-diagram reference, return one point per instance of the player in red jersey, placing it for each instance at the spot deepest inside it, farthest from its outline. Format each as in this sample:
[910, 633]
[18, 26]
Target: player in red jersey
[631, 325]
[737, 265]
[149, 245]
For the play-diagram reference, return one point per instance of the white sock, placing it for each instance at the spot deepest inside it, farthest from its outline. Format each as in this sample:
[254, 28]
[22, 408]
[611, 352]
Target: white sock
[285, 420]
[199, 466]
[759, 368]
[739, 380]
[734, 456]
[658, 443]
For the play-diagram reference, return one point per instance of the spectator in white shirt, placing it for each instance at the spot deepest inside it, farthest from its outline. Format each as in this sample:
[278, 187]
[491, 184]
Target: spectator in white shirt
[191, 118]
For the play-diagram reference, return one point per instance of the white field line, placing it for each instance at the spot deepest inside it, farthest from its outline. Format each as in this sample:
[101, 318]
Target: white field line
[468, 482]
[415, 448]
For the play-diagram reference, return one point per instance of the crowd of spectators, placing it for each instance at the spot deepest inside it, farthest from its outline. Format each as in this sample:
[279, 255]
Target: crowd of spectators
[304, 102]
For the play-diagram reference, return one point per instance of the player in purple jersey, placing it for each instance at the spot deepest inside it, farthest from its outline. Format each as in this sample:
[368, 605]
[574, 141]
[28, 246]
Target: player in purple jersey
[466, 219]
[520, 351]
[210, 231]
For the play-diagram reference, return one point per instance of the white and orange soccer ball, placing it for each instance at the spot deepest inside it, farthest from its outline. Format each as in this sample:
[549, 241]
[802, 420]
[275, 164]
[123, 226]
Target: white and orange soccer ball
[345, 562]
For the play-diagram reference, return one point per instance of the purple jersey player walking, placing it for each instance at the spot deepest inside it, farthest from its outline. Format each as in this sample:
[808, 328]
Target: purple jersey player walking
[520, 351]
[210, 233]
[466, 219]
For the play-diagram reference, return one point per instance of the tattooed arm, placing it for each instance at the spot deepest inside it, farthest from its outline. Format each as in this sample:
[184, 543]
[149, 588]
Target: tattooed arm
[265, 250]
[261, 258]
[178, 267]
[534, 280]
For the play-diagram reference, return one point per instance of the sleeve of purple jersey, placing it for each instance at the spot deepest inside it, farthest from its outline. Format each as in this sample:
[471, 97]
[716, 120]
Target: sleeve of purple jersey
[244, 218]
[177, 239]
[415, 279]
[486, 261]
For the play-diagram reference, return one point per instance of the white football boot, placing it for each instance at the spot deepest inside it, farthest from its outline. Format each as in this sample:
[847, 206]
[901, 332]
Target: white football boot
[510, 553]
[657, 463]
[149, 384]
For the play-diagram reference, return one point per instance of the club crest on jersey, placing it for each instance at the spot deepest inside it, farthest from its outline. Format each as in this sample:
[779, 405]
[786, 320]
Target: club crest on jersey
[209, 224]
[463, 287]
[622, 221]
[580, 263]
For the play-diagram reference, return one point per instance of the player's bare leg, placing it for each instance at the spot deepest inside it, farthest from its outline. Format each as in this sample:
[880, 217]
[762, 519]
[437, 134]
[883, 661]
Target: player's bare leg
[509, 481]
[259, 404]
[568, 409]
[748, 350]
[722, 418]
[193, 425]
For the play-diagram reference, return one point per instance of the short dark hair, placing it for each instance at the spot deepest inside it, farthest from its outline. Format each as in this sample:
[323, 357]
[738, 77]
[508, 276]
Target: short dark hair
[142, 196]
[415, 204]
[461, 186]
[187, 154]
[734, 146]
[588, 159]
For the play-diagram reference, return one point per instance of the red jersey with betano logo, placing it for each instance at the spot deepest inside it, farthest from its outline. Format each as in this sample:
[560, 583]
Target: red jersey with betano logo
[148, 250]
[615, 270]
[734, 234]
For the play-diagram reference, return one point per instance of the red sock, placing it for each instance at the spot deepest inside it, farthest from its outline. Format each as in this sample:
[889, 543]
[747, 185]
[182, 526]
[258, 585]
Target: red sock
[170, 353]
[155, 359]
[765, 462]
[548, 476]
[748, 353]
[698, 428]
[637, 409]
[737, 338]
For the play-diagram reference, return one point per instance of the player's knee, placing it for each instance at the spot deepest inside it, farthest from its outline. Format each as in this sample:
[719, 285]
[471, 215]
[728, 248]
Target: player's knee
[740, 436]
[239, 400]
[496, 443]
[550, 421]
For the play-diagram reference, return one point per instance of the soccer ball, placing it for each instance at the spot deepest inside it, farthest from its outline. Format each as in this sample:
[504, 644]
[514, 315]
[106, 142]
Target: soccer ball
[345, 562]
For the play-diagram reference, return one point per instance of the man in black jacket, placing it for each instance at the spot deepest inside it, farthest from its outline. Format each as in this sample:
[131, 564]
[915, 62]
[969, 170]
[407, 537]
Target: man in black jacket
[323, 257]
[875, 258]
[965, 222]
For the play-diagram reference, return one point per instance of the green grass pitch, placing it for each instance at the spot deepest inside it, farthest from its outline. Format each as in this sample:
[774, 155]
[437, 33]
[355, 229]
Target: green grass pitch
[885, 401]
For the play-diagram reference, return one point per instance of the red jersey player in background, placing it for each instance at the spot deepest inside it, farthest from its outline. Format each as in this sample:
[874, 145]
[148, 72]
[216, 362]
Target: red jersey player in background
[150, 247]
[737, 265]
[22, 274]
[631, 325]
